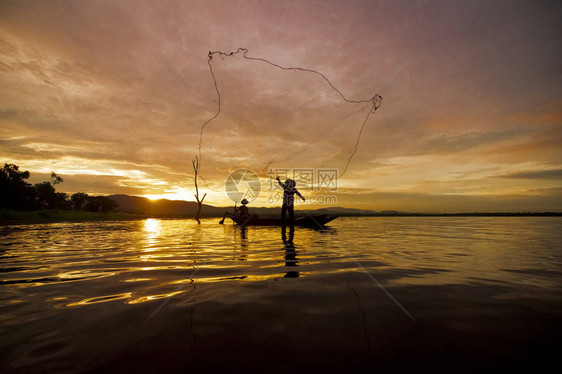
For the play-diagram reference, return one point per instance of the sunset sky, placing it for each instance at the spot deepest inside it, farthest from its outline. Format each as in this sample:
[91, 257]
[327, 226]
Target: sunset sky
[111, 95]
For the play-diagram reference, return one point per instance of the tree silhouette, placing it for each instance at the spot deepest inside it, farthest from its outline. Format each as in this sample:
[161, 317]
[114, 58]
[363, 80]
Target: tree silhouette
[48, 198]
[195, 163]
[78, 200]
[99, 204]
[15, 192]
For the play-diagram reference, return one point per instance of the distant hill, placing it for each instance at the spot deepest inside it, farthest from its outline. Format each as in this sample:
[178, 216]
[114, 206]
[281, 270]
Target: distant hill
[171, 208]
[345, 211]
[136, 204]
[163, 207]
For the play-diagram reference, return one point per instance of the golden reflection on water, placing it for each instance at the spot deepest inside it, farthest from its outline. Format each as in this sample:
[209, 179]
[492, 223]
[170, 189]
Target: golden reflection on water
[95, 285]
[101, 299]
[152, 229]
[138, 280]
[139, 261]
[142, 299]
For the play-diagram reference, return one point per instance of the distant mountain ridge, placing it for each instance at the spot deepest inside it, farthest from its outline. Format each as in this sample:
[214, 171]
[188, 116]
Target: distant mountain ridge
[137, 204]
[165, 207]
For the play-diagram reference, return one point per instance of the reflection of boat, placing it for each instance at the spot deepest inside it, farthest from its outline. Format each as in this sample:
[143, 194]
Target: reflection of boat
[318, 220]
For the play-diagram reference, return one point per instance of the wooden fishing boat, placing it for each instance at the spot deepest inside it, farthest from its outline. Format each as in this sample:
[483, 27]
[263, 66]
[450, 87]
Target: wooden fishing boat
[314, 221]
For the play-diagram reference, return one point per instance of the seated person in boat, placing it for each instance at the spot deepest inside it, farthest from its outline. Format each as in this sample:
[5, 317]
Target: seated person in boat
[240, 212]
[243, 210]
[289, 191]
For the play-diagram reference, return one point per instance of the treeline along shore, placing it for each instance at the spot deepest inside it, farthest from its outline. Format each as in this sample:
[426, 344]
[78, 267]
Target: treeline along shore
[22, 202]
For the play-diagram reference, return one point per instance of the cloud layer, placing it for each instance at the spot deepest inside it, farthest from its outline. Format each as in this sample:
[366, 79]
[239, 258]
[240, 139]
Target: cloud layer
[112, 96]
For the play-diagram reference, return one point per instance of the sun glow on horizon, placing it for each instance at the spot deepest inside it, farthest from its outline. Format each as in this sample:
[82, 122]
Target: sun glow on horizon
[169, 196]
[216, 197]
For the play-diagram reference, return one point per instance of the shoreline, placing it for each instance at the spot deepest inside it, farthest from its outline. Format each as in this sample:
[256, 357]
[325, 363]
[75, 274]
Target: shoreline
[15, 217]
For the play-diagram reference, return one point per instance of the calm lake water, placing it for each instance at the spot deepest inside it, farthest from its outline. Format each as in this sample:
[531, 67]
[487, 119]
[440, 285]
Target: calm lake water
[460, 294]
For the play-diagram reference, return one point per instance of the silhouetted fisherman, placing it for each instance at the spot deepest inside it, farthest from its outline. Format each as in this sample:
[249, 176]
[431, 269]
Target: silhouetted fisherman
[289, 191]
[241, 212]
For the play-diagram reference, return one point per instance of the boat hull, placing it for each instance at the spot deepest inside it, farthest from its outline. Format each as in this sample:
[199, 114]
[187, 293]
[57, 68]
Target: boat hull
[307, 221]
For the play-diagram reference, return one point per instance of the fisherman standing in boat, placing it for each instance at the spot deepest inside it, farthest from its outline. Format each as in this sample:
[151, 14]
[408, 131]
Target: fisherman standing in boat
[289, 191]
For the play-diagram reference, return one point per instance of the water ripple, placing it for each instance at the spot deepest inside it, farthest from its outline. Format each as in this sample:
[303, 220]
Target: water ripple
[60, 282]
